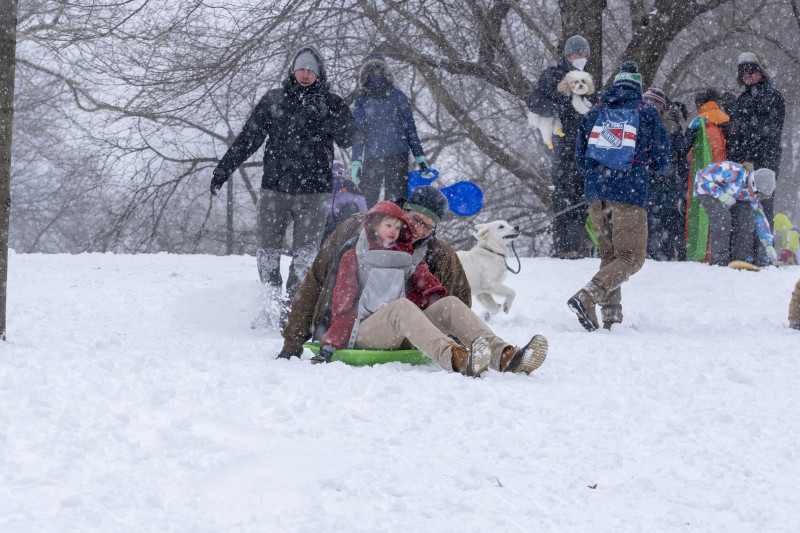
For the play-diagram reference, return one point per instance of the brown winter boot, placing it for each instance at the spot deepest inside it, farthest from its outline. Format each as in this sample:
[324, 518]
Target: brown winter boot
[794, 307]
[473, 361]
[582, 305]
[525, 359]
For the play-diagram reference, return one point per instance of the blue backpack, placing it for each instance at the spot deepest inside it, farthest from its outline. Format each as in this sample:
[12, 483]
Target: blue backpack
[612, 142]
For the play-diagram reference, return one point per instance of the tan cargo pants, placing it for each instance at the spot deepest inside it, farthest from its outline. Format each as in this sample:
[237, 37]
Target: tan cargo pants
[401, 324]
[622, 238]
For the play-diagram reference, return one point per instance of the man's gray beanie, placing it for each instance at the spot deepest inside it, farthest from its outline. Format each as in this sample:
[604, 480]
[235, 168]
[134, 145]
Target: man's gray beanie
[306, 60]
[576, 45]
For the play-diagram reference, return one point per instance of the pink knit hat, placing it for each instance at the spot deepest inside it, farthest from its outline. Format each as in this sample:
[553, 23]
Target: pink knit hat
[655, 96]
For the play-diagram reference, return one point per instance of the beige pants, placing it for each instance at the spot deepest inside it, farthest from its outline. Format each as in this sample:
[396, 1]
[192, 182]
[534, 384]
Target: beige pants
[401, 324]
[622, 238]
[794, 306]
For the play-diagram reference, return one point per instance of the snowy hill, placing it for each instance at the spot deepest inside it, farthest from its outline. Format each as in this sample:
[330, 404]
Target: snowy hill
[134, 397]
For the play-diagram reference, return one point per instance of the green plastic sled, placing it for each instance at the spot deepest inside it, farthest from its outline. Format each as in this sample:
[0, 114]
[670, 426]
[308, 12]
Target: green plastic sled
[696, 218]
[355, 357]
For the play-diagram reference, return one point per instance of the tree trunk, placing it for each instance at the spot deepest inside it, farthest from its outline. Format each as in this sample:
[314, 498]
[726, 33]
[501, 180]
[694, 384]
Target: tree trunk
[580, 17]
[8, 43]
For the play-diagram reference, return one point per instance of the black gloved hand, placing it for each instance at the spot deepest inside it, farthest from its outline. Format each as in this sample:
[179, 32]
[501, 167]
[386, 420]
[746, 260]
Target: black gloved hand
[218, 181]
[286, 354]
[350, 186]
[324, 355]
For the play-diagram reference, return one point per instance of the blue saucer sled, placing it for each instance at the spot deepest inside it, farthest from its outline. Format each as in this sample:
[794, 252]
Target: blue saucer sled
[374, 357]
[465, 198]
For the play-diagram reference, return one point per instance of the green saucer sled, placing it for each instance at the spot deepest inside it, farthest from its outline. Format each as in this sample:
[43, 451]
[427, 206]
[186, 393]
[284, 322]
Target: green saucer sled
[374, 357]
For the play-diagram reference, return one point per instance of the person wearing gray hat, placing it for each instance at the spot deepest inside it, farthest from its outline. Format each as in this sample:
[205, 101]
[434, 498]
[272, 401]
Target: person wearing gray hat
[299, 124]
[731, 195]
[546, 101]
[757, 125]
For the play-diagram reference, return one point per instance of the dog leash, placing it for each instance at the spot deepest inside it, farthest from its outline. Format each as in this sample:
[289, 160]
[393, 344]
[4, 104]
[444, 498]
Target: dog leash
[519, 264]
[542, 223]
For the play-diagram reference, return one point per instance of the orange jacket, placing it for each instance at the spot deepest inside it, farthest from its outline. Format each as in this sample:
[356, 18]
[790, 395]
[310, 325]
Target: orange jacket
[715, 116]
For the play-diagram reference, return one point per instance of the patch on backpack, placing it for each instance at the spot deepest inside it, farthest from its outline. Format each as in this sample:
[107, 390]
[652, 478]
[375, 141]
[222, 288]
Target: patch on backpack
[612, 141]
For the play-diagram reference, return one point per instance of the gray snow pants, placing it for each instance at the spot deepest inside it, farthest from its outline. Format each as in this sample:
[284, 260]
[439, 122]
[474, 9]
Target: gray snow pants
[401, 324]
[275, 210]
[730, 231]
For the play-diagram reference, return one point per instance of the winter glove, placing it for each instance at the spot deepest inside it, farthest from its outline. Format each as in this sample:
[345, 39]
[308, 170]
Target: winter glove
[423, 166]
[354, 172]
[324, 355]
[726, 199]
[217, 181]
[772, 255]
[696, 122]
[287, 354]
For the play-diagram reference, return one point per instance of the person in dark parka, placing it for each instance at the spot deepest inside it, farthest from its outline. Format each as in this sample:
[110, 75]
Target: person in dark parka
[545, 100]
[386, 133]
[299, 121]
[757, 126]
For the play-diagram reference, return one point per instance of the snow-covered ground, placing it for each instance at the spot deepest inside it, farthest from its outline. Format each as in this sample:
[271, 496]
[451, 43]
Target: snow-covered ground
[135, 397]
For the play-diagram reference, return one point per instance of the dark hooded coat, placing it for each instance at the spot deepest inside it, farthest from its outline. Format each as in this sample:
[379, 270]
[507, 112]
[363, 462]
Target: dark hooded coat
[300, 125]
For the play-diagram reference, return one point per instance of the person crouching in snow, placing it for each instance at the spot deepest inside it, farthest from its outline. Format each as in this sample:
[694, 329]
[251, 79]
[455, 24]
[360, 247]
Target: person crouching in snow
[729, 195]
[385, 298]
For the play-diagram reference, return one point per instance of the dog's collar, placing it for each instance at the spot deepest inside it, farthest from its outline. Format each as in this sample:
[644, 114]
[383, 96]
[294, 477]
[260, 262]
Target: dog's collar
[494, 252]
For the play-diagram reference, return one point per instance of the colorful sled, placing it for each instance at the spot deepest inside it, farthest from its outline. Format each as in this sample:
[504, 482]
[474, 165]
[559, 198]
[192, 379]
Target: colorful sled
[696, 218]
[355, 357]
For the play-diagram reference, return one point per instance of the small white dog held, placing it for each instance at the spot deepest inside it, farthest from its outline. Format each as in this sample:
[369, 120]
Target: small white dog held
[576, 85]
[485, 265]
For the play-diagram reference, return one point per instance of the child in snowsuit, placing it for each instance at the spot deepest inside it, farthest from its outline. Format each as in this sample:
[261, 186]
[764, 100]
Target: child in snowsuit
[727, 192]
[385, 298]
[790, 240]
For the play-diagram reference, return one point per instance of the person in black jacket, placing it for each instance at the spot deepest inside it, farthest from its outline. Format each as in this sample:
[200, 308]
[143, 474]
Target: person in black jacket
[299, 121]
[757, 126]
[547, 101]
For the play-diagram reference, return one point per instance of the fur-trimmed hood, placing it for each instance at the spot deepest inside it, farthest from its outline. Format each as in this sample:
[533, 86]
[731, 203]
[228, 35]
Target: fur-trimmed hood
[372, 62]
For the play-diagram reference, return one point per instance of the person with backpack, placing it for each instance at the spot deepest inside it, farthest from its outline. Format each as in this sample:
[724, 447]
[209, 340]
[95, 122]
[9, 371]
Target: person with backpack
[299, 121]
[547, 101]
[619, 141]
[386, 133]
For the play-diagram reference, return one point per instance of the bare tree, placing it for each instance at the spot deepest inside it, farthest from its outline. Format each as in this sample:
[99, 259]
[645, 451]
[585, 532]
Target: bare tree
[8, 43]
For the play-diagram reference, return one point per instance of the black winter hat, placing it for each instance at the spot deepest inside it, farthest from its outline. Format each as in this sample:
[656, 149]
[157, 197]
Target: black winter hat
[429, 201]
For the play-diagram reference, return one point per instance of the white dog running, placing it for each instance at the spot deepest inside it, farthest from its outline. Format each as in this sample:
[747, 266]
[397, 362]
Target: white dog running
[485, 265]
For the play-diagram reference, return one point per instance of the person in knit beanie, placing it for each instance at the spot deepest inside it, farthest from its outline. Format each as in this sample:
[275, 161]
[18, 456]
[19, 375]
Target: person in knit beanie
[655, 97]
[546, 101]
[298, 123]
[757, 124]
[616, 189]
